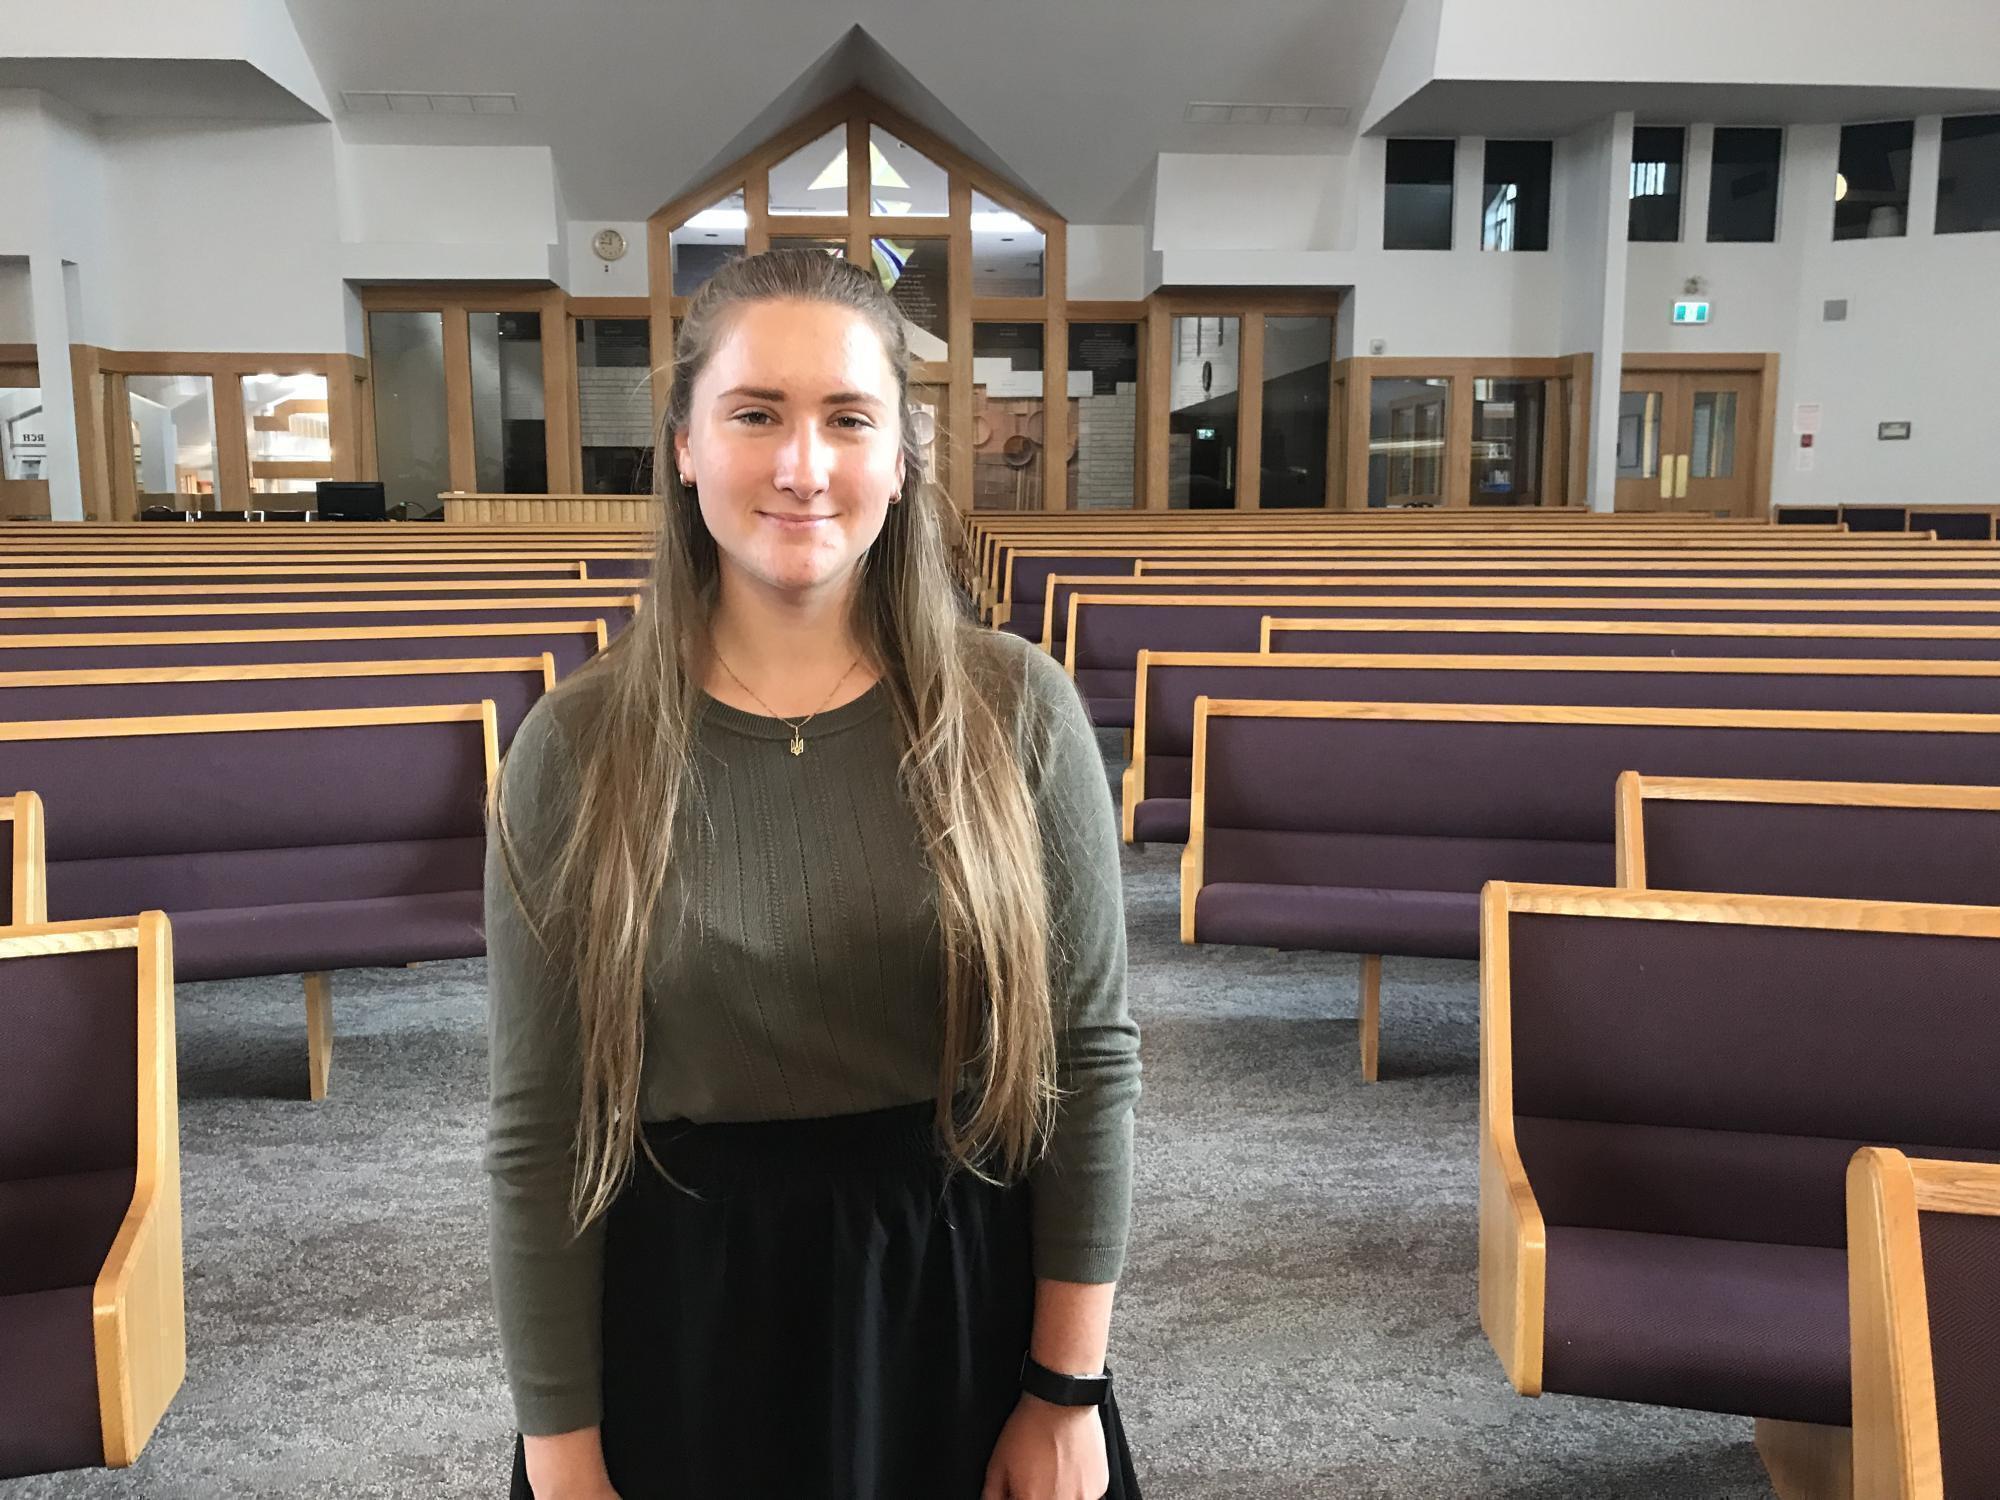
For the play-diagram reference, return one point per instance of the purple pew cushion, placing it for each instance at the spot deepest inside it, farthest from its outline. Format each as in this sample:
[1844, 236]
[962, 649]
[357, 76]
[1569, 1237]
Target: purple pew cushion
[311, 935]
[1109, 713]
[1429, 924]
[57, 1230]
[1712, 1325]
[1161, 820]
[48, 1383]
[1962, 1287]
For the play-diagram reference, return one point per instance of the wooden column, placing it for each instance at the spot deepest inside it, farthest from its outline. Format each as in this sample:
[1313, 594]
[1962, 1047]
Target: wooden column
[1055, 369]
[1457, 485]
[959, 353]
[463, 470]
[559, 396]
[1250, 411]
[1360, 408]
[232, 442]
[1159, 394]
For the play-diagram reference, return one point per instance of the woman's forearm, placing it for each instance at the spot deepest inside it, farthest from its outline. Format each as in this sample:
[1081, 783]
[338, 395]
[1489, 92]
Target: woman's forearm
[566, 1464]
[1072, 1325]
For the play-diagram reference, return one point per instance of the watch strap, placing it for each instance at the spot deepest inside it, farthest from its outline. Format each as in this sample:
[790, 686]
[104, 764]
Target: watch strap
[1040, 1381]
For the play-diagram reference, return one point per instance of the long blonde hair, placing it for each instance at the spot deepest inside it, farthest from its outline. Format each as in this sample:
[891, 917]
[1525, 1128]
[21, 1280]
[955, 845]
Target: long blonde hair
[594, 905]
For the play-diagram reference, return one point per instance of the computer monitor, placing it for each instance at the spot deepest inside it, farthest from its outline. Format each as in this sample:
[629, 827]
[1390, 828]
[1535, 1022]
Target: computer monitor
[351, 500]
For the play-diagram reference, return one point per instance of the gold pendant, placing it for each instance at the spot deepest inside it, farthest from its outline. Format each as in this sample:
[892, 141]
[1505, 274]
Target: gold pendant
[798, 744]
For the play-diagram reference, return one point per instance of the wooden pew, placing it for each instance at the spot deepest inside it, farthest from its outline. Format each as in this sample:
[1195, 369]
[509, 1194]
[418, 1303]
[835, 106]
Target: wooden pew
[570, 643]
[202, 592]
[1444, 637]
[616, 612]
[1108, 633]
[93, 1333]
[513, 685]
[1850, 840]
[1020, 598]
[24, 899]
[278, 843]
[1671, 1088]
[1155, 786]
[1059, 609]
[1923, 1266]
[1434, 799]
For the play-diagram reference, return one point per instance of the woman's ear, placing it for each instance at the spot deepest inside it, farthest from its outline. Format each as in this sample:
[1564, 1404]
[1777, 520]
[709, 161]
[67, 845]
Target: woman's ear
[684, 464]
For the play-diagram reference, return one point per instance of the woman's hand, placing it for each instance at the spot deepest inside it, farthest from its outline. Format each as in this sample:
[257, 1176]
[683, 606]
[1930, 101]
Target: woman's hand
[568, 1466]
[1049, 1452]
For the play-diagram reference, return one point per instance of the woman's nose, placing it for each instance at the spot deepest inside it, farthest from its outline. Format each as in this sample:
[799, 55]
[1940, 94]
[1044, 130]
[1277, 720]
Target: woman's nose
[805, 460]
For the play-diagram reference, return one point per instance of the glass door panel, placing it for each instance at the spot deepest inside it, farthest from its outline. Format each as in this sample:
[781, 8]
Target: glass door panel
[173, 440]
[1297, 357]
[1645, 406]
[1508, 425]
[286, 428]
[412, 444]
[1715, 473]
[509, 427]
[1407, 423]
[1201, 413]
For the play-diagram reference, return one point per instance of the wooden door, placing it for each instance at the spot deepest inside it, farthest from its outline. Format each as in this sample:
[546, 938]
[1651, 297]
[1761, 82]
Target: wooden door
[1719, 422]
[1648, 439]
[1690, 440]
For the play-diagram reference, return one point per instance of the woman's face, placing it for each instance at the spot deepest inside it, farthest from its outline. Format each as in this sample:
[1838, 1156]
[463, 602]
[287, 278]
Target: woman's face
[794, 443]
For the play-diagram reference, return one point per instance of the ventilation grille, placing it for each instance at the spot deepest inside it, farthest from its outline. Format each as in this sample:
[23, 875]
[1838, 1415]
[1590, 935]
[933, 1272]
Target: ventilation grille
[363, 102]
[1835, 310]
[1212, 113]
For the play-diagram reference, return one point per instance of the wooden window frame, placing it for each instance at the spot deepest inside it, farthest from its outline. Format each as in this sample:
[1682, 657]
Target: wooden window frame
[1570, 417]
[858, 110]
[109, 486]
[454, 303]
[1250, 306]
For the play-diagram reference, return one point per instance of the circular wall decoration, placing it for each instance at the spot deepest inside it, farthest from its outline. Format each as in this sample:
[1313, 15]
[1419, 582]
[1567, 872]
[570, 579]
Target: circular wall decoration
[608, 243]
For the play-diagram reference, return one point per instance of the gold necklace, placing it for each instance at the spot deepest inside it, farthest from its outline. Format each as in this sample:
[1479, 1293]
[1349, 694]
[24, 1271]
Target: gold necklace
[798, 746]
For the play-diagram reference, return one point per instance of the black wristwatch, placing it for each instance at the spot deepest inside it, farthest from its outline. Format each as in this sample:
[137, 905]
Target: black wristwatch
[1064, 1390]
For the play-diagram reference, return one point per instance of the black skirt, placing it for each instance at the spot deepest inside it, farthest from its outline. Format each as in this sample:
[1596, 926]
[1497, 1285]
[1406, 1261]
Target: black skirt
[835, 1315]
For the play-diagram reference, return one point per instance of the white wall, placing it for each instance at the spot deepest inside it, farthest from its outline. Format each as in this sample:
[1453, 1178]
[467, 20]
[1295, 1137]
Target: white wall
[239, 239]
[590, 277]
[1935, 43]
[449, 212]
[1107, 262]
[1919, 342]
[17, 310]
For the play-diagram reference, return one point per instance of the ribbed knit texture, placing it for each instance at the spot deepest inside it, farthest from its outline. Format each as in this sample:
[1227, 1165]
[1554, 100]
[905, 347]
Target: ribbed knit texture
[805, 981]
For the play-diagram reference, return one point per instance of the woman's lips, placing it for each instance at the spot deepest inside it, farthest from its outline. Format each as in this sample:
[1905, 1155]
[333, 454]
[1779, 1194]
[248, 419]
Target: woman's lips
[794, 523]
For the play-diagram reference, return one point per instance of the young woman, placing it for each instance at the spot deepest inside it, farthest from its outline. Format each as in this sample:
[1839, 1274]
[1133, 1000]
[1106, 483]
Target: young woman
[813, 1077]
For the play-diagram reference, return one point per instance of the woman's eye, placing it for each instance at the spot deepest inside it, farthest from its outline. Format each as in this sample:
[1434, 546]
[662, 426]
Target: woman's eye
[753, 418]
[851, 420]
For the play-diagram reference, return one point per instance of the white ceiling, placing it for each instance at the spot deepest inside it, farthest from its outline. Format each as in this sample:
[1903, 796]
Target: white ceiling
[638, 100]
[208, 88]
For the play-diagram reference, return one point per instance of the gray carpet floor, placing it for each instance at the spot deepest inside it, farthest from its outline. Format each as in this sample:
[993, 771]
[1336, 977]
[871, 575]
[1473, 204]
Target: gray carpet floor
[1298, 1319]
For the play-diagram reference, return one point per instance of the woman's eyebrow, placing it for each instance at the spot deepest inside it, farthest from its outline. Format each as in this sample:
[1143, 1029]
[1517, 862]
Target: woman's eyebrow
[768, 393]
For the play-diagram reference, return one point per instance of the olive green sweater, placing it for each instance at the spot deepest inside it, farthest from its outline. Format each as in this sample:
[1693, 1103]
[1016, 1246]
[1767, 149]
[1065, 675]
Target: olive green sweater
[804, 982]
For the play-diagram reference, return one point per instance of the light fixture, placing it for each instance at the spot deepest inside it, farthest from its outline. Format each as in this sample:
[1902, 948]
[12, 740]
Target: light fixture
[1839, 187]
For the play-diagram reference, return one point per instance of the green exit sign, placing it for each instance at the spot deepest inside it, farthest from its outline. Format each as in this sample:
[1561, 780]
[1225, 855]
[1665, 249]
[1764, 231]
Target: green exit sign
[1690, 312]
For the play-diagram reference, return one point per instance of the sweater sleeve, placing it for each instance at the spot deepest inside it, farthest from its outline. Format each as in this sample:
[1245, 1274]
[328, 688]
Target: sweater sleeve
[1082, 1189]
[547, 1281]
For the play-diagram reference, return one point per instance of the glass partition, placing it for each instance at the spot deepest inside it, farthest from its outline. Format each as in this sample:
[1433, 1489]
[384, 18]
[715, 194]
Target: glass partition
[1006, 252]
[809, 242]
[406, 373]
[23, 440]
[173, 441]
[902, 181]
[706, 242]
[510, 453]
[1007, 416]
[1104, 424]
[1508, 426]
[918, 276]
[813, 179]
[614, 399]
[1871, 191]
[287, 426]
[1201, 413]
[1406, 441]
[1298, 354]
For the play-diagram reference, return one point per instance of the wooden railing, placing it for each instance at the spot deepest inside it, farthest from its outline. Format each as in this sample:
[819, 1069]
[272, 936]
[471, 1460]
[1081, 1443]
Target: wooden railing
[464, 508]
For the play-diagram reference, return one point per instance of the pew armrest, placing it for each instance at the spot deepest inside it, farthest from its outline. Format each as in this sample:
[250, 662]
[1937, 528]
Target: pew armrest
[1128, 799]
[1513, 1263]
[1513, 1238]
[138, 1309]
